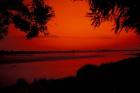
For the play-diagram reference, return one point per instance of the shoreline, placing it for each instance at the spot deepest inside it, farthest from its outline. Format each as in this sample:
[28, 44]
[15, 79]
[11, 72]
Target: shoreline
[119, 76]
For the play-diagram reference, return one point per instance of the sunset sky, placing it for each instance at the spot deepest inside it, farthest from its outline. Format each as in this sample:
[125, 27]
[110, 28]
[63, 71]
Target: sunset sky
[71, 29]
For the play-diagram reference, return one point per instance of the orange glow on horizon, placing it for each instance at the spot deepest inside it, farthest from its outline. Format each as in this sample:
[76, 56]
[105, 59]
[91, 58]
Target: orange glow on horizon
[71, 29]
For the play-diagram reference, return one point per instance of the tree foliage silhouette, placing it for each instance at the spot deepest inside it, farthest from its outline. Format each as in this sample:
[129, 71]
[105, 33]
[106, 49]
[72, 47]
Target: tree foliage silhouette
[31, 18]
[125, 12]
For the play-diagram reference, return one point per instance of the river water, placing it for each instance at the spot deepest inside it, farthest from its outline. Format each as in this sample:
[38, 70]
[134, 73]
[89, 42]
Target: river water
[53, 65]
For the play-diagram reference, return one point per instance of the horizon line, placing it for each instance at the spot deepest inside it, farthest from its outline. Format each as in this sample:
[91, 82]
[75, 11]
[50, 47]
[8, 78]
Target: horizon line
[67, 51]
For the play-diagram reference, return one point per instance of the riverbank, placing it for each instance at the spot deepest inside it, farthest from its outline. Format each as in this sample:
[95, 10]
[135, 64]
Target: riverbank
[119, 77]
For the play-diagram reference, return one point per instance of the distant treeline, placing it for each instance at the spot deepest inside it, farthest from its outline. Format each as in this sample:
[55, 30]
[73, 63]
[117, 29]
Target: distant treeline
[119, 77]
[10, 52]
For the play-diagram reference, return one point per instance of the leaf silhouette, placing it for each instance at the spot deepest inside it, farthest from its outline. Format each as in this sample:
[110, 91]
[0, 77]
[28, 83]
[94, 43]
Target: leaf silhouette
[30, 19]
[125, 13]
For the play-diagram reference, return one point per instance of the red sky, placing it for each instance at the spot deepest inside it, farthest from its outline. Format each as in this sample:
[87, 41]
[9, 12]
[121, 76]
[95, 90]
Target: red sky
[71, 29]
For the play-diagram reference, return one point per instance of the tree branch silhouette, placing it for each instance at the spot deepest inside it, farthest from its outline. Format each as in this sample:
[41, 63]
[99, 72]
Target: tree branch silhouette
[30, 19]
[124, 12]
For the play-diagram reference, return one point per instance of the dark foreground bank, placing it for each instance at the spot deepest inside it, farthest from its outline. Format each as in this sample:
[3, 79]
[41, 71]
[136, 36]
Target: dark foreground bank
[119, 77]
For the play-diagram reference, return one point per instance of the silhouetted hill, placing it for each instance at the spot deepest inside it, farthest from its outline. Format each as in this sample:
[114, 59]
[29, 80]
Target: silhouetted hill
[119, 77]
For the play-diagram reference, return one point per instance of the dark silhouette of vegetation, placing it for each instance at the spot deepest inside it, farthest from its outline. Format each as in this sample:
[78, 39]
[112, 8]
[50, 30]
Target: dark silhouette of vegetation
[31, 18]
[125, 13]
[14, 52]
[119, 77]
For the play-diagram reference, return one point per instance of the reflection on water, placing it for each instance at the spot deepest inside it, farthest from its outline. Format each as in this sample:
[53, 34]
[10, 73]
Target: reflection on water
[57, 65]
